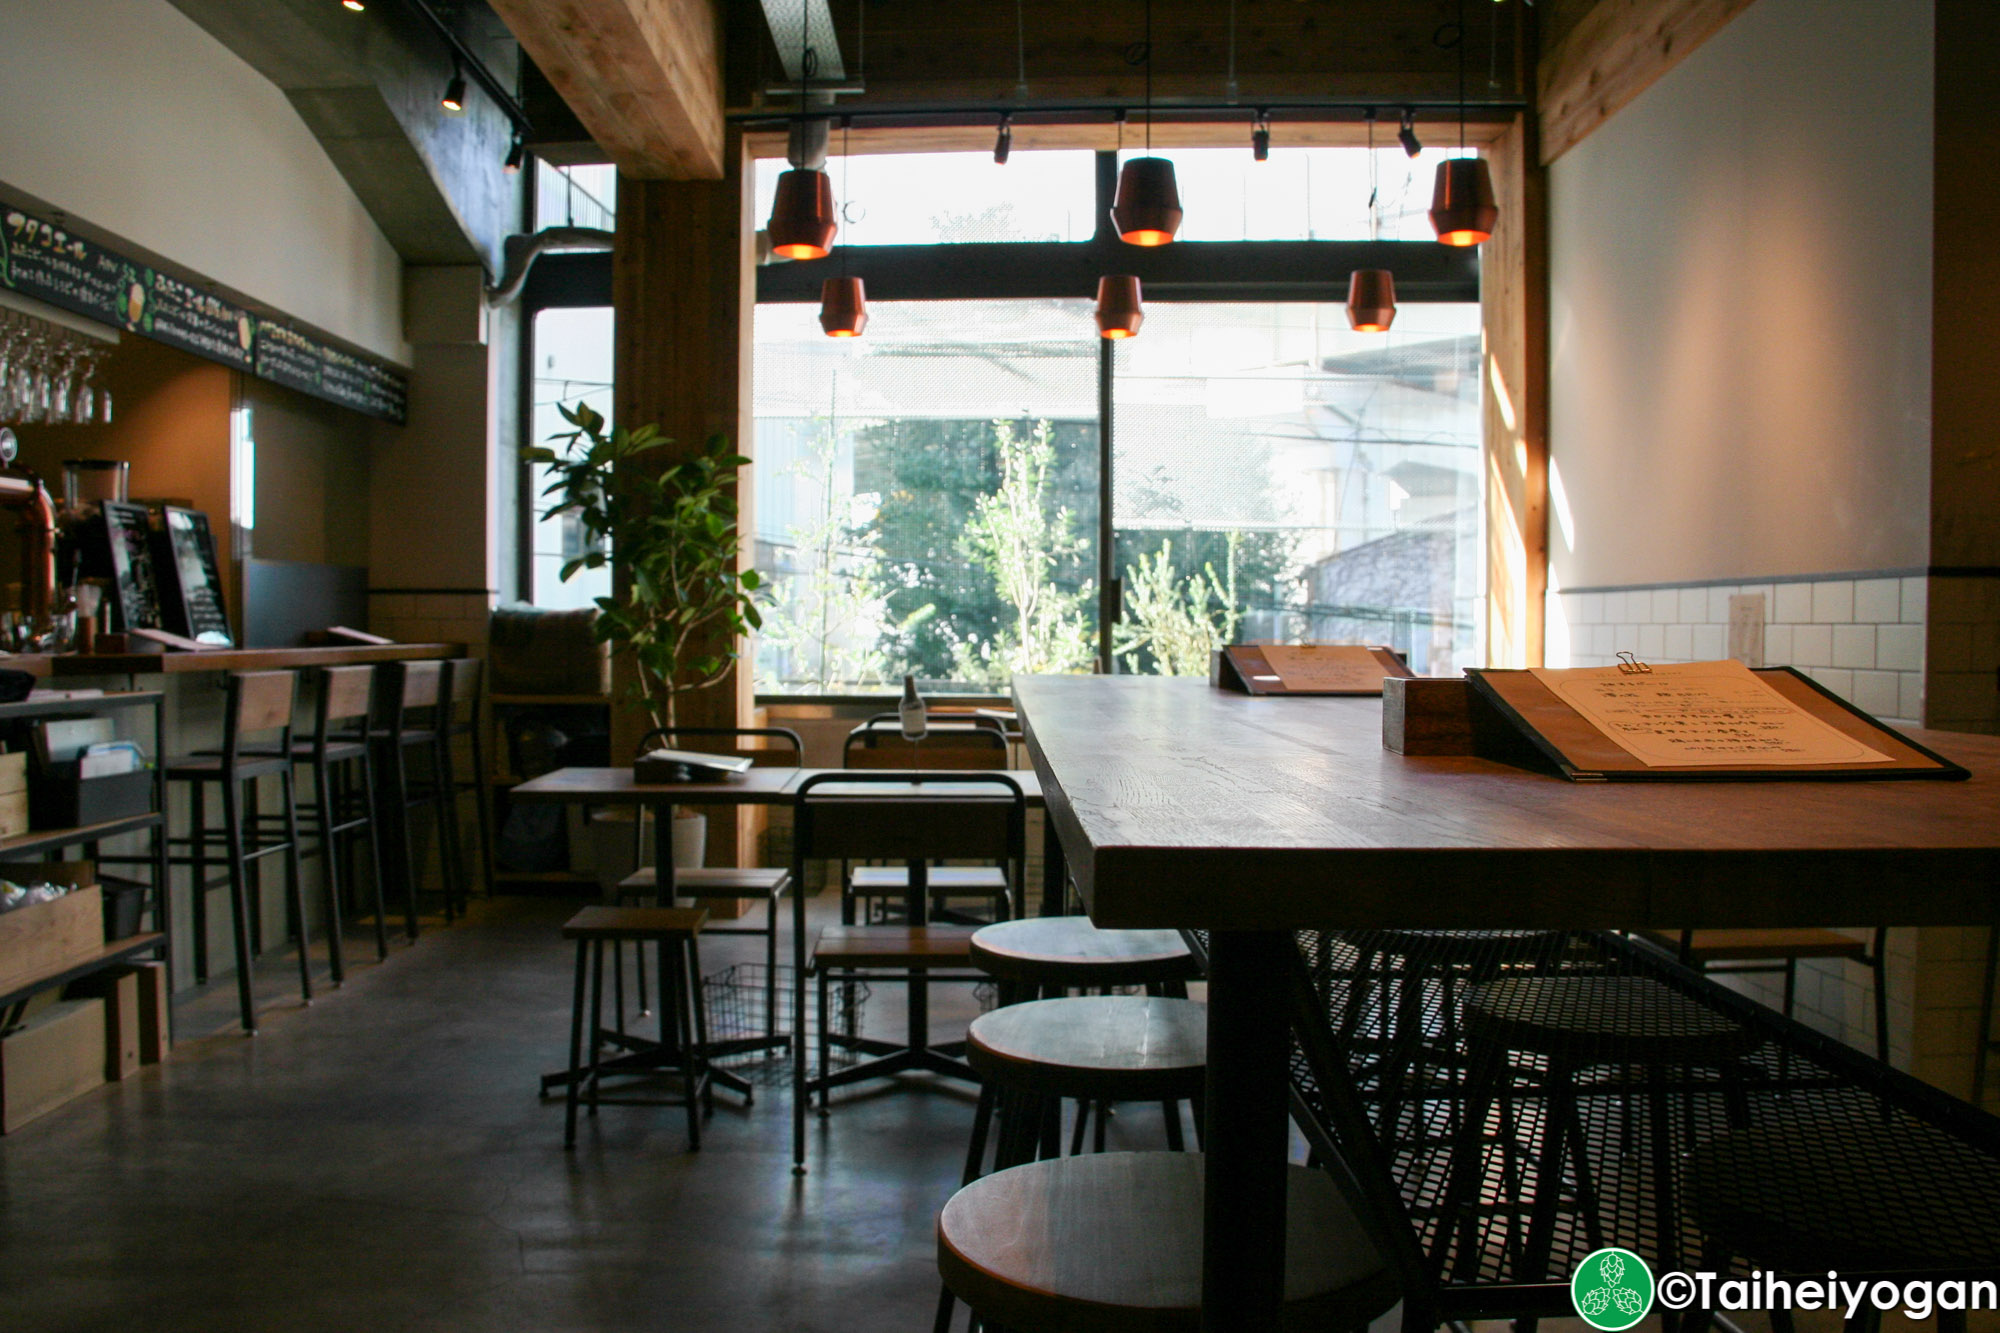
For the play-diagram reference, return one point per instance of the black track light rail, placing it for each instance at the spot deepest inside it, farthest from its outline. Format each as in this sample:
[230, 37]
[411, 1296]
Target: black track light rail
[473, 66]
[1179, 110]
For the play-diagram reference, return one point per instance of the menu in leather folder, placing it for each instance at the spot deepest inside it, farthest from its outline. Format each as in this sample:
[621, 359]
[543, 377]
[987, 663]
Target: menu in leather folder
[686, 766]
[1700, 720]
[1310, 668]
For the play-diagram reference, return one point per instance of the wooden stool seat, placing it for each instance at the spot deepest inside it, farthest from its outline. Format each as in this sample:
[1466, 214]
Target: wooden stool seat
[884, 880]
[213, 767]
[1070, 951]
[1095, 1047]
[1111, 1243]
[1860, 1194]
[915, 947]
[635, 923]
[711, 882]
[1710, 946]
[1597, 1020]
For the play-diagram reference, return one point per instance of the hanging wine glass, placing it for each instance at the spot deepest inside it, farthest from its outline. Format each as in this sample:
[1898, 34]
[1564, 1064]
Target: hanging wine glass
[84, 409]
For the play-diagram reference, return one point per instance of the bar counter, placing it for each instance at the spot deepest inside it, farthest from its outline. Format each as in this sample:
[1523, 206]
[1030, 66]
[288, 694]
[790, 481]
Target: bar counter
[69, 665]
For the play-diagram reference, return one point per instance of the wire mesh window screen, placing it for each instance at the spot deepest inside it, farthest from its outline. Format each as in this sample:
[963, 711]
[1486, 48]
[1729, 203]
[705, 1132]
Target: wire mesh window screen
[926, 496]
[1303, 194]
[1280, 477]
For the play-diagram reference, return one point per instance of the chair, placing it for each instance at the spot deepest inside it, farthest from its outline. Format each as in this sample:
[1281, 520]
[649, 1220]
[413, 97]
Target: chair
[914, 817]
[1742, 952]
[459, 715]
[683, 1023]
[963, 744]
[256, 703]
[410, 713]
[712, 883]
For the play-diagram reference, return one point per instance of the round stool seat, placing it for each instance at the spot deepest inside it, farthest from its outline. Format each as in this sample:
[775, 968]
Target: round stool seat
[1070, 951]
[1137, 1048]
[1595, 1019]
[1854, 1194]
[1112, 1241]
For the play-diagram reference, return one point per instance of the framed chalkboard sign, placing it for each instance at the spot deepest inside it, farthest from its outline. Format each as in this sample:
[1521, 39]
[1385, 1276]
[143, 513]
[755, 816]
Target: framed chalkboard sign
[135, 594]
[190, 583]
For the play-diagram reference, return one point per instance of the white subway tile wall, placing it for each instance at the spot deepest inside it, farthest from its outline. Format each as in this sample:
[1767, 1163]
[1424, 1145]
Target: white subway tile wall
[1861, 638]
[1916, 650]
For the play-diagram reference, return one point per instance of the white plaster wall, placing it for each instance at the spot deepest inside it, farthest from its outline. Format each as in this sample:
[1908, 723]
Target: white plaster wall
[1740, 267]
[129, 117]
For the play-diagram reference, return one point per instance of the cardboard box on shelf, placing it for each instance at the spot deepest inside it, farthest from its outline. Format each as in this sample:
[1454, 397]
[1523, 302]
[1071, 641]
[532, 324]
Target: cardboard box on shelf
[44, 938]
[155, 1028]
[118, 987]
[54, 1057]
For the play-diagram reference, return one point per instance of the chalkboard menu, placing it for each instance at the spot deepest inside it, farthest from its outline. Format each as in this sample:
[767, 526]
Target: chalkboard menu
[115, 544]
[42, 260]
[190, 585]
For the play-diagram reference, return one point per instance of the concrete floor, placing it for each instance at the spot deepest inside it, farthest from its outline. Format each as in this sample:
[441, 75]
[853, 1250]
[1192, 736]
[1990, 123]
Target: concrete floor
[381, 1161]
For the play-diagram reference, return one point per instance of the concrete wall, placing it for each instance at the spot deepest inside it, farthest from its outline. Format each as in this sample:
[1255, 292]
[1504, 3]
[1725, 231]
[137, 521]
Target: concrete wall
[1740, 269]
[127, 116]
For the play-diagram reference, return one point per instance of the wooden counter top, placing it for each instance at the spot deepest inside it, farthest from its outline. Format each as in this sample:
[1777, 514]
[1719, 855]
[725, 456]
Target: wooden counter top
[231, 659]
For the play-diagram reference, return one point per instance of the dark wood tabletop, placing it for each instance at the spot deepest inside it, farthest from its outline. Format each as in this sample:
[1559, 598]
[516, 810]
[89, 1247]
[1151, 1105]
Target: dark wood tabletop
[758, 786]
[1182, 805]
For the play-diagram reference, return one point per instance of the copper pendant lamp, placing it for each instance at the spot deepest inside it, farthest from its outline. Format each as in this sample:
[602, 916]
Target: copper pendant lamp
[1371, 300]
[1462, 205]
[1119, 312]
[1147, 208]
[843, 307]
[802, 218]
[1463, 209]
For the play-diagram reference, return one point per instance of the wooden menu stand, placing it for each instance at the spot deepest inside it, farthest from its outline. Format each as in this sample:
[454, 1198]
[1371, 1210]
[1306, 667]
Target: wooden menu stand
[1331, 668]
[1444, 715]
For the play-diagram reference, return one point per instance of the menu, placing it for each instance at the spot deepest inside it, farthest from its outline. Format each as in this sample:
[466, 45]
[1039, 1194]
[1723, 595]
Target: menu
[1311, 668]
[1702, 713]
[42, 260]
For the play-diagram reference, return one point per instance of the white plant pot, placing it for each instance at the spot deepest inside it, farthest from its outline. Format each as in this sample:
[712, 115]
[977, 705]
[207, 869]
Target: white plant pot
[690, 841]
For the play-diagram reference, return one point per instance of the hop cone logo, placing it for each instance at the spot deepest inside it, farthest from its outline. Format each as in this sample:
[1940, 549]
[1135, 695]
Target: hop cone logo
[1612, 1289]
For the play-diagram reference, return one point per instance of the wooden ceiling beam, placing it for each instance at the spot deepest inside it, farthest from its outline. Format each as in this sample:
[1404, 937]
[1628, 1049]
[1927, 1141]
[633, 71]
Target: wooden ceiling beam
[644, 77]
[1616, 51]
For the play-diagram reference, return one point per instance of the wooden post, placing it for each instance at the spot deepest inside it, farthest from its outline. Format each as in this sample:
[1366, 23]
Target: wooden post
[682, 288]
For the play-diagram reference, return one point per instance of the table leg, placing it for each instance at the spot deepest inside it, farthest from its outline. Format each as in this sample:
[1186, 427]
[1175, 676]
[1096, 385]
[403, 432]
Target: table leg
[1243, 1238]
[1055, 872]
[799, 1017]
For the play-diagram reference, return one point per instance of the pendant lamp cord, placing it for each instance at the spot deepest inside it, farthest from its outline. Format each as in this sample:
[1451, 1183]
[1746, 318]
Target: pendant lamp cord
[846, 188]
[1461, 77]
[1230, 90]
[1020, 53]
[1149, 76]
[1374, 189]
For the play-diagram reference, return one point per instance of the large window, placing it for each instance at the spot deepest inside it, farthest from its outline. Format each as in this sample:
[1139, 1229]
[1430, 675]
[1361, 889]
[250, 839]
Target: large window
[572, 354]
[927, 494]
[943, 198]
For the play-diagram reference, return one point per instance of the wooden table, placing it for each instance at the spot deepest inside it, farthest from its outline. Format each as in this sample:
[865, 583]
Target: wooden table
[1178, 805]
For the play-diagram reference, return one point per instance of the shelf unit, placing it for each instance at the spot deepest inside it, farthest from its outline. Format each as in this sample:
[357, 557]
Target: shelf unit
[502, 780]
[159, 940]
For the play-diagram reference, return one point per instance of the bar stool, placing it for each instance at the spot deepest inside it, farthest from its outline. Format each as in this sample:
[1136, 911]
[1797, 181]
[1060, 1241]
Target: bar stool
[1569, 1024]
[1049, 955]
[256, 703]
[409, 716]
[683, 1021]
[1095, 1049]
[1113, 1241]
[458, 715]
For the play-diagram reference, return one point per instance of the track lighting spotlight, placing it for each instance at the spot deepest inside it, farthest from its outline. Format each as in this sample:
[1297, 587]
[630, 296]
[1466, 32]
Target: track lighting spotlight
[1407, 136]
[357, 6]
[516, 155]
[453, 100]
[1260, 137]
[1003, 142]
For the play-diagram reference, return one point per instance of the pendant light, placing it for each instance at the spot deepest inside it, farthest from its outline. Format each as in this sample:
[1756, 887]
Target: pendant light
[1463, 209]
[843, 303]
[1371, 292]
[1119, 312]
[1147, 209]
[803, 224]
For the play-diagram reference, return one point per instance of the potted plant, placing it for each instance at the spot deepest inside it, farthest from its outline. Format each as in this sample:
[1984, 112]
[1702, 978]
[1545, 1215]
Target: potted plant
[679, 603]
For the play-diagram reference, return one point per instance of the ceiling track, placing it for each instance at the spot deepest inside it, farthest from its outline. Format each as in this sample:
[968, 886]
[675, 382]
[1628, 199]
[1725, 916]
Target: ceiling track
[1181, 111]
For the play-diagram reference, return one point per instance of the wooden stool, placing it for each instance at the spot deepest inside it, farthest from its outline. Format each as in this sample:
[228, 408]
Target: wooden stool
[1058, 953]
[1574, 1023]
[683, 1020]
[411, 714]
[710, 883]
[257, 702]
[458, 715]
[1861, 1194]
[1095, 1049]
[1112, 1242]
[1734, 952]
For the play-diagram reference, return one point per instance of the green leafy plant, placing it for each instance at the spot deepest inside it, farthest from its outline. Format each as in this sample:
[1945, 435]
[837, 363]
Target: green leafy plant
[1180, 622]
[1021, 539]
[680, 603]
